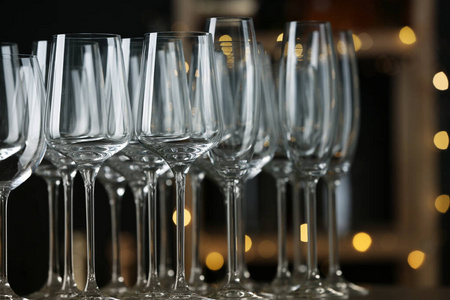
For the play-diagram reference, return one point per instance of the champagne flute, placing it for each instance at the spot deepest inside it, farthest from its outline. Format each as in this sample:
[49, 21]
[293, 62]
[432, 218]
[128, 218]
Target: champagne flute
[115, 184]
[22, 140]
[237, 65]
[88, 116]
[343, 153]
[179, 115]
[308, 108]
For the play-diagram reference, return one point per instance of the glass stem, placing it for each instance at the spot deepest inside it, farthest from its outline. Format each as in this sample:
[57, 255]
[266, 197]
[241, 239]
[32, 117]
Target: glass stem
[152, 181]
[196, 182]
[233, 231]
[164, 257]
[53, 259]
[180, 181]
[332, 184]
[68, 177]
[139, 202]
[298, 268]
[4, 194]
[311, 214]
[283, 264]
[115, 194]
[89, 174]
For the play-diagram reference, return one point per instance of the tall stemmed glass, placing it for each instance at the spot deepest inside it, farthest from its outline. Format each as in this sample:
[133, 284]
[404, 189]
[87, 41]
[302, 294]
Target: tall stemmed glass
[308, 108]
[88, 116]
[343, 153]
[237, 65]
[179, 115]
[22, 98]
[47, 171]
[115, 184]
[63, 168]
[153, 166]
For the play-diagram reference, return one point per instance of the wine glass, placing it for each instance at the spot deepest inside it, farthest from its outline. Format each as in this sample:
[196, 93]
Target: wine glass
[115, 184]
[308, 108]
[58, 168]
[179, 115]
[153, 166]
[47, 171]
[343, 153]
[237, 65]
[88, 116]
[197, 278]
[22, 140]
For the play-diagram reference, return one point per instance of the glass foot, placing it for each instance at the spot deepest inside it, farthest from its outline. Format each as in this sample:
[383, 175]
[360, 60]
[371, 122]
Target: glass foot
[279, 287]
[339, 283]
[315, 289]
[92, 295]
[234, 291]
[7, 293]
[114, 290]
[44, 292]
[202, 288]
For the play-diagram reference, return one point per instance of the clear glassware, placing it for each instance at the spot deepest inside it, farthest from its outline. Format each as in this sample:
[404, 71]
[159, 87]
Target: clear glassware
[9, 48]
[264, 150]
[47, 171]
[308, 108]
[153, 166]
[179, 115]
[343, 153]
[57, 287]
[115, 184]
[237, 68]
[22, 140]
[88, 116]
[196, 280]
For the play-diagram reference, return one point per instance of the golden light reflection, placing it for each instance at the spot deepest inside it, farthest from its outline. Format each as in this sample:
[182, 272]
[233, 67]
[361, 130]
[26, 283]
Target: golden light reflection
[441, 140]
[442, 203]
[225, 38]
[280, 37]
[341, 47]
[416, 259]
[440, 81]
[248, 243]
[362, 241]
[407, 35]
[304, 233]
[357, 42]
[214, 261]
[299, 50]
[187, 217]
[267, 249]
[186, 65]
[366, 40]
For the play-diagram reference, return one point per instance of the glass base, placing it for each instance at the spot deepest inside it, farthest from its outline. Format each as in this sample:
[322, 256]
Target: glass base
[234, 291]
[115, 289]
[8, 294]
[92, 295]
[202, 288]
[279, 287]
[338, 283]
[45, 292]
[315, 289]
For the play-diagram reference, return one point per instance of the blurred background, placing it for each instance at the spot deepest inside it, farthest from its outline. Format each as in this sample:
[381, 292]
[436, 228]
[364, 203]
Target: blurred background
[394, 224]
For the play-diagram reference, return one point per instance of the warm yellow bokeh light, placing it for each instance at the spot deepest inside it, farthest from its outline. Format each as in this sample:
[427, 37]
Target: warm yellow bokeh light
[357, 42]
[187, 217]
[280, 37]
[416, 259]
[304, 233]
[442, 203]
[267, 249]
[225, 38]
[214, 261]
[248, 243]
[186, 65]
[440, 81]
[407, 35]
[441, 140]
[362, 241]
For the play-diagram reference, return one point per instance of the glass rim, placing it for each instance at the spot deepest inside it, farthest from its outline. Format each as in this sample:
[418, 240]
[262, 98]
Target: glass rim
[310, 22]
[178, 33]
[19, 55]
[86, 35]
[231, 19]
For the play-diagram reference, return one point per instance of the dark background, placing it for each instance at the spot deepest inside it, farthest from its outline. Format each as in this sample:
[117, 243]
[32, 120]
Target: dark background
[26, 21]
